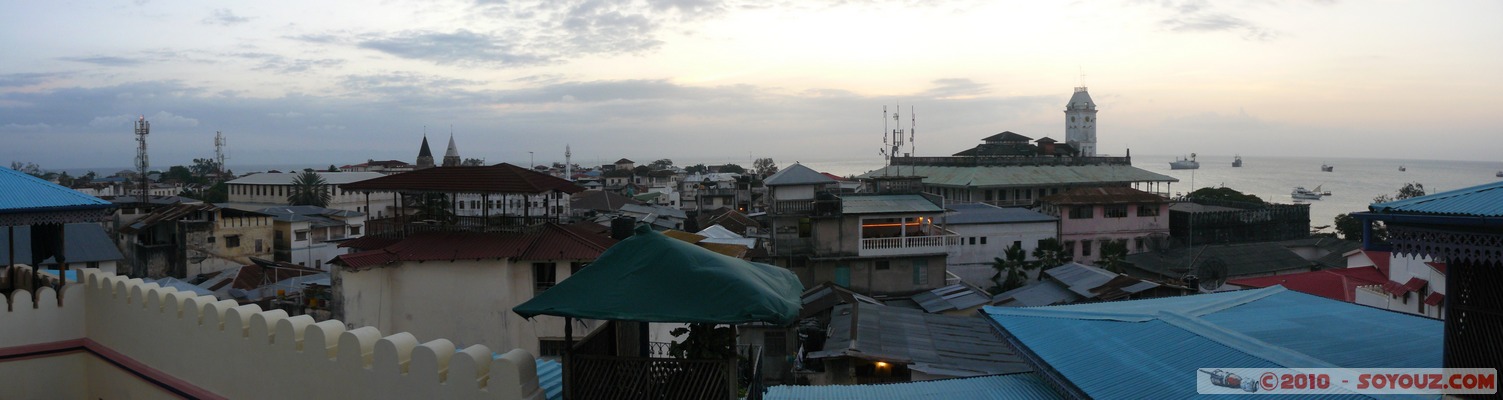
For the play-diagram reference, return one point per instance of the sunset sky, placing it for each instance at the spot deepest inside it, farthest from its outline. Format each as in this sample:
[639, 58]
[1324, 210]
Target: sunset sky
[699, 80]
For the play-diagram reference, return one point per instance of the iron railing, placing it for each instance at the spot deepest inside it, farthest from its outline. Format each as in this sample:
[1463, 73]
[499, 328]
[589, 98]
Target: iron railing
[400, 226]
[594, 371]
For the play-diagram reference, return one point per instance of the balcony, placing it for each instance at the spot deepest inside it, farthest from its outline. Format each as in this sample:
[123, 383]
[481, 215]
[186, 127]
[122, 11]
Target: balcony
[594, 370]
[400, 227]
[900, 246]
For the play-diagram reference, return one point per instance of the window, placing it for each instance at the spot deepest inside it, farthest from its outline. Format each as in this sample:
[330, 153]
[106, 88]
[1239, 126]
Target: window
[843, 275]
[1085, 248]
[231, 241]
[973, 240]
[354, 230]
[210, 240]
[259, 246]
[983, 240]
[1116, 211]
[805, 227]
[1082, 212]
[300, 235]
[1018, 243]
[882, 265]
[544, 275]
[1138, 244]
[1148, 210]
[920, 271]
[552, 347]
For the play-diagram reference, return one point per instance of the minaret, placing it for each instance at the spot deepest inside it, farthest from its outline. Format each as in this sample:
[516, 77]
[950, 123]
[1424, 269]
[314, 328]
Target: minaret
[451, 156]
[1080, 122]
[425, 156]
[568, 165]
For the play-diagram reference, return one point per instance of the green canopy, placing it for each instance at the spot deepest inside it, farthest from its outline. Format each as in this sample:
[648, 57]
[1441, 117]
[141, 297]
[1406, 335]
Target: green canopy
[651, 277]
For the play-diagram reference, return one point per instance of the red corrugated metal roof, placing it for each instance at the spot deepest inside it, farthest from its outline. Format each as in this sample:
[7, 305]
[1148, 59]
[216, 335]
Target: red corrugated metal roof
[1380, 259]
[1434, 298]
[1337, 284]
[550, 242]
[499, 178]
[1439, 266]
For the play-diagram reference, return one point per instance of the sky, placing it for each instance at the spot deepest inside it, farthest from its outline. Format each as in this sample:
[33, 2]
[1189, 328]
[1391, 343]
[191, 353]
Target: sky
[341, 82]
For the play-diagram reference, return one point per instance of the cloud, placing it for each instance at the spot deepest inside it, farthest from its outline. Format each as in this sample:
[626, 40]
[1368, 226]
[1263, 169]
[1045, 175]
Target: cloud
[24, 79]
[224, 17]
[460, 47]
[107, 61]
[956, 88]
[1199, 16]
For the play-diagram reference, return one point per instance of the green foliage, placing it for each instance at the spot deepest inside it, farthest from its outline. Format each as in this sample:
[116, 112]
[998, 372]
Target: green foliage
[697, 169]
[1350, 228]
[1224, 193]
[641, 170]
[705, 342]
[333, 168]
[218, 193]
[434, 206]
[178, 173]
[661, 164]
[1113, 255]
[1011, 269]
[765, 166]
[308, 189]
[205, 167]
[1409, 191]
[732, 168]
[27, 168]
[1050, 254]
[472, 162]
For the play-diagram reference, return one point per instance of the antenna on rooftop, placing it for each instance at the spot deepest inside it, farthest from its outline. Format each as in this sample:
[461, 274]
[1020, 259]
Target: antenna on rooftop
[143, 128]
[1082, 75]
[883, 150]
[219, 154]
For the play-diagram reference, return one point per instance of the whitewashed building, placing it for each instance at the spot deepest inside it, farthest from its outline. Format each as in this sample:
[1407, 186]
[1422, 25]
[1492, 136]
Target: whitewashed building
[272, 188]
[986, 231]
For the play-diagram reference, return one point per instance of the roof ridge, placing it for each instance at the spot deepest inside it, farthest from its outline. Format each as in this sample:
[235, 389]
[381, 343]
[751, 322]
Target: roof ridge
[1249, 345]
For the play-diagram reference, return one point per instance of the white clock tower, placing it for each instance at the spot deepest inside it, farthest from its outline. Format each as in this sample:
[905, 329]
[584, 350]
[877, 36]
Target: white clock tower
[1080, 122]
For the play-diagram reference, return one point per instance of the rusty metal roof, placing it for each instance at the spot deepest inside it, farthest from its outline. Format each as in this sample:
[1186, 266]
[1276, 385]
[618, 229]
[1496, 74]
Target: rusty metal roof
[996, 176]
[1103, 195]
[889, 203]
[499, 178]
[550, 242]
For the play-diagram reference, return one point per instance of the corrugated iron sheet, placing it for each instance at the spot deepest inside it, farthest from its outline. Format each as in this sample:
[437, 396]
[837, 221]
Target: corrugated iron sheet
[1484, 200]
[551, 242]
[551, 378]
[995, 387]
[961, 345]
[982, 213]
[1021, 176]
[1152, 348]
[499, 178]
[20, 192]
[890, 203]
[797, 174]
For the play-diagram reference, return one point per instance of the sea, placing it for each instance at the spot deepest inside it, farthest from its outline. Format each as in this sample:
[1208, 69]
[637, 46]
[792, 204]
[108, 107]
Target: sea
[1353, 183]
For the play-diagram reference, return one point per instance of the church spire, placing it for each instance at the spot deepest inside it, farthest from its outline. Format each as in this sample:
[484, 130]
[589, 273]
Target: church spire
[451, 156]
[425, 156]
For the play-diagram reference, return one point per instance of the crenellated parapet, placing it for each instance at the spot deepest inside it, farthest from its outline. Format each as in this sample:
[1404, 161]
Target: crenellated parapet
[205, 347]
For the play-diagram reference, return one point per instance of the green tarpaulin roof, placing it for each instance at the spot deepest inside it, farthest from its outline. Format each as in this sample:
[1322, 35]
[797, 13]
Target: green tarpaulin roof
[651, 277]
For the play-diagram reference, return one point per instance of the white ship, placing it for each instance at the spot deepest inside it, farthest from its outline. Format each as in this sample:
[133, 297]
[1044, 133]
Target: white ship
[1304, 194]
[1185, 163]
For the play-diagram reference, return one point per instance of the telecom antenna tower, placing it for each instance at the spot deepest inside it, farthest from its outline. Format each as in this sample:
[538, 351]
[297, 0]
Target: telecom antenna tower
[143, 128]
[893, 150]
[218, 155]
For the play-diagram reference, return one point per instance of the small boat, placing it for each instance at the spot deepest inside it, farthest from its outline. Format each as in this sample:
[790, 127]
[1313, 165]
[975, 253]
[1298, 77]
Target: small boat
[1304, 194]
[1185, 163]
[1402, 169]
[1499, 174]
[1322, 192]
[1237, 162]
[1327, 167]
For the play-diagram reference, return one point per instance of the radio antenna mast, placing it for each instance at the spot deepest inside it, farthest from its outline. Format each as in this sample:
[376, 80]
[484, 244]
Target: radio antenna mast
[143, 128]
[218, 155]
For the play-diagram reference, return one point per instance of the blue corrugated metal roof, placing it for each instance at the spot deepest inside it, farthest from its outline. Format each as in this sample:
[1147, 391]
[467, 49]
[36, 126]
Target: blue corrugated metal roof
[994, 387]
[20, 193]
[551, 378]
[1485, 200]
[1152, 348]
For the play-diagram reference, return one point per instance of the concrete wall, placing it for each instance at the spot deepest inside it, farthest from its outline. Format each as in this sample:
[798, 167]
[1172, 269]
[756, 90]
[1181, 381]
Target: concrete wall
[1098, 227]
[467, 301]
[973, 262]
[382, 204]
[217, 349]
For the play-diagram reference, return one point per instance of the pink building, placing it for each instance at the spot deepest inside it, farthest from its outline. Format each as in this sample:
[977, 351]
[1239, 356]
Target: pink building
[1089, 217]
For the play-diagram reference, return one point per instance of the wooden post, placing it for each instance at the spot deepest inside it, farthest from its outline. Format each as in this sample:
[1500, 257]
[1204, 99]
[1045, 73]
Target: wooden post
[568, 354]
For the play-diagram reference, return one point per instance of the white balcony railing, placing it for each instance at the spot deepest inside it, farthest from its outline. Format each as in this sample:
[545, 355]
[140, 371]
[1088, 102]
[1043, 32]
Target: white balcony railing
[895, 246]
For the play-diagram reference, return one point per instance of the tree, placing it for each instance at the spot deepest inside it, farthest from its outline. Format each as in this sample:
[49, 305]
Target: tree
[1351, 228]
[661, 164]
[1224, 193]
[1011, 269]
[1114, 255]
[333, 168]
[434, 206]
[732, 168]
[696, 169]
[27, 168]
[205, 167]
[472, 162]
[1050, 254]
[765, 166]
[178, 173]
[641, 170]
[308, 189]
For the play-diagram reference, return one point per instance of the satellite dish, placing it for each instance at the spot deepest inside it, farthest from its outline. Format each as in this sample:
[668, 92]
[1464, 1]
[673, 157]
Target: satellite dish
[1212, 274]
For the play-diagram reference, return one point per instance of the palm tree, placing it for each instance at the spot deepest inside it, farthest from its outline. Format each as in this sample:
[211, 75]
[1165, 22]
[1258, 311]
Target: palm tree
[309, 189]
[1050, 254]
[1113, 255]
[1013, 267]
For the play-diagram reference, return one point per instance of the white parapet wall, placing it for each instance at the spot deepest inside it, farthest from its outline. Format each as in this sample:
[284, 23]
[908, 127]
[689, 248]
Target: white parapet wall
[202, 347]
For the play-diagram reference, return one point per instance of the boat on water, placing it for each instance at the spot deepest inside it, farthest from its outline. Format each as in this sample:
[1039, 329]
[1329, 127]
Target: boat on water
[1185, 163]
[1322, 192]
[1304, 194]
[1237, 162]
[1499, 174]
[1326, 167]
[1402, 169]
